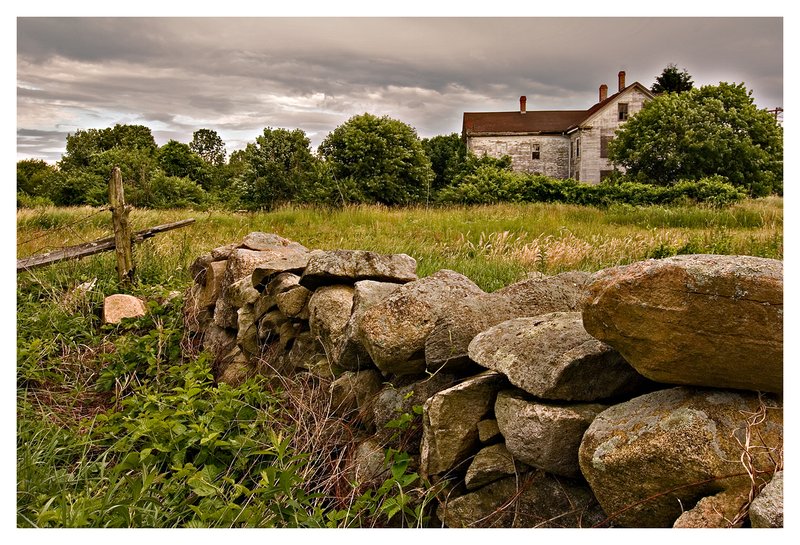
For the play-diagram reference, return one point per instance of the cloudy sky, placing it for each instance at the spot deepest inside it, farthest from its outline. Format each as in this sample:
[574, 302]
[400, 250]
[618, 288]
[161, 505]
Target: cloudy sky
[240, 75]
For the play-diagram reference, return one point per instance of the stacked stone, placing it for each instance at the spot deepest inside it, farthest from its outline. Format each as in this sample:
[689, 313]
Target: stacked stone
[620, 398]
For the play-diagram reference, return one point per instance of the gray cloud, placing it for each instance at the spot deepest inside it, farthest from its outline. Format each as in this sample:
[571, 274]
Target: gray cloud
[239, 75]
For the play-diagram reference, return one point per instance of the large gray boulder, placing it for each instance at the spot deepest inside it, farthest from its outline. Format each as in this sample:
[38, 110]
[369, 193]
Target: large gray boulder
[350, 266]
[563, 292]
[367, 467]
[240, 266]
[210, 288]
[448, 344]
[544, 435]
[223, 252]
[446, 347]
[450, 422]
[553, 357]
[403, 396]
[704, 320]
[350, 353]
[534, 500]
[328, 312]
[766, 510]
[293, 302]
[269, 242]
[247, 331]
[647, 457]
[394, 331]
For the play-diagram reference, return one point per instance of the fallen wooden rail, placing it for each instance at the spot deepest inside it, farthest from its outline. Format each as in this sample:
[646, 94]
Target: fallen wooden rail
[94, 247]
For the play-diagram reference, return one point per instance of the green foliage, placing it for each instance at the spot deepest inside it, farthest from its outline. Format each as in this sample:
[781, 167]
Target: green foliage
[711, 131]
[278, 168]
[447, 155]
[672, 80]
[178, 160]
[80, 187]
[209, 146]
[26, 201]
[84, 145]
[166, 446]
[34, 176]
[92, 154]
[488, 184]
[383, 156]
[170, 192]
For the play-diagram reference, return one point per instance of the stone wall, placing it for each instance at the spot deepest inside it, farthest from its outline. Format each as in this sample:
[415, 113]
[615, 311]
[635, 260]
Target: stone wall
[648, 395]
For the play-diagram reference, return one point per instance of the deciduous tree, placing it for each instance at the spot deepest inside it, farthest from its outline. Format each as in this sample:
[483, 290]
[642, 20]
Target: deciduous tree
[713, 130]
[447, 155]
[209, 146]
[383, 156]
[278, 167]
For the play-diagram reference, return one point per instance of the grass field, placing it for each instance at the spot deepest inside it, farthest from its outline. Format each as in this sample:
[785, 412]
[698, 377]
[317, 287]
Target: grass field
[494, 245]
[120, 426]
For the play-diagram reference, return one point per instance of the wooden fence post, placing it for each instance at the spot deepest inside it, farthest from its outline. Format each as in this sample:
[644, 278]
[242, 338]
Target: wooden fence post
[122, 230]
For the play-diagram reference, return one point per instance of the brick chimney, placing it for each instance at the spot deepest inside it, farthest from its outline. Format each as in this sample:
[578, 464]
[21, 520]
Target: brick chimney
[522, 100]
[603, 92]
[621, 77]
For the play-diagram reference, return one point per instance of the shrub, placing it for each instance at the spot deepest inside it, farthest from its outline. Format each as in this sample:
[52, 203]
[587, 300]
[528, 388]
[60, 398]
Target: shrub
[489, 184]
[169, 192]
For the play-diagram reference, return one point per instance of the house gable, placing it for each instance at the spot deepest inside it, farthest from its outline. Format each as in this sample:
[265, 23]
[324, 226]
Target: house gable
[602, 108]
[557, 134]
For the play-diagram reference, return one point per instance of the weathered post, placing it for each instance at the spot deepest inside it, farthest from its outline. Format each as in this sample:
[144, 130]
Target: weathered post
[122, 231]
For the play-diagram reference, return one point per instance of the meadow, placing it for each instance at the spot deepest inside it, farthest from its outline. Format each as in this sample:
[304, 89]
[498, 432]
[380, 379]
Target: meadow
[494, 244]
[123, 426]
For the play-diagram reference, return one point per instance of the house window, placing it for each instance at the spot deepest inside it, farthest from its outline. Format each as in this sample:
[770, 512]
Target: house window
[535, 151]
[577, 147]
[623, 111]
[605, 174]
[604, 140]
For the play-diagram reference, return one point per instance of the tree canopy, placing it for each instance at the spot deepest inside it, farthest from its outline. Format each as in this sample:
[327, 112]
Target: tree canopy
[209, 146]
[277, 167]
[672, 80]
[177, 159]
[383, 156]
[713, 130]
[447, 154]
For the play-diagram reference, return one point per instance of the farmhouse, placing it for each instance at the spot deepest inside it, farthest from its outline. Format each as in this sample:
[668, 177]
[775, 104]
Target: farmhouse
[557, 143]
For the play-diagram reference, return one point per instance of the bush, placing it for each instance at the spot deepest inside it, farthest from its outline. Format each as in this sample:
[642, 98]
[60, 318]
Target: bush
[490, 184]
[26, 201]
[383, 155]
[169, 192]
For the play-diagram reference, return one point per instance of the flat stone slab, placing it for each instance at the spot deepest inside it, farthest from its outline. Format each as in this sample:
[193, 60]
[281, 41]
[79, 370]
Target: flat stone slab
[552, 357]
[350, 266]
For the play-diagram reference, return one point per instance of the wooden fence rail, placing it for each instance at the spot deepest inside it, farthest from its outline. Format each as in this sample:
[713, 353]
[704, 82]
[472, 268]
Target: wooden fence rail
[94, 247]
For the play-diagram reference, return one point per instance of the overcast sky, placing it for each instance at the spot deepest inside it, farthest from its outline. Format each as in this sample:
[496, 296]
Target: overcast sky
[240, 75]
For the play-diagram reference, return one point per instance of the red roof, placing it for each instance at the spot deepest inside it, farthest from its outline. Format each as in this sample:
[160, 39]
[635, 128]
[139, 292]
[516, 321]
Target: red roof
[515, 122]
[532, 122]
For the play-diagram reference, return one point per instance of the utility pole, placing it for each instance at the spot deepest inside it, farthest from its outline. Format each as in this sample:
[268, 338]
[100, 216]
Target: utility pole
[777, 111]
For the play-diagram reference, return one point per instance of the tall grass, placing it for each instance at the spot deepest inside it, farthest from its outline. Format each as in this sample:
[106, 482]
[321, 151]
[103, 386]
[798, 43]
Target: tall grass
[494, 245]
[122, 426]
